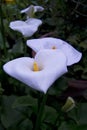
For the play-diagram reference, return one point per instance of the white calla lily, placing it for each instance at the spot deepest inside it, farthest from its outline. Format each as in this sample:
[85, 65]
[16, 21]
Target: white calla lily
[27, 28]
[51, 64]
[31, 10]
[72, 55]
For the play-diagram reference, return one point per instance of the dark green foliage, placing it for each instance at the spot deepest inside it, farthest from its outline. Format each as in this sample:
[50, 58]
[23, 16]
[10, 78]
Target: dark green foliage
[64, 19]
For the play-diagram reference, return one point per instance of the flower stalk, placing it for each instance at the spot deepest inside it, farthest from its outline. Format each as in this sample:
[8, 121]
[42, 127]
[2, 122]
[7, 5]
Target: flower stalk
[40, 114]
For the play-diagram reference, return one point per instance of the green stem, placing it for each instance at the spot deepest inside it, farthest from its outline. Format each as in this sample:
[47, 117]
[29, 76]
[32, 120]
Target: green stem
[2, 28]
[40, 114]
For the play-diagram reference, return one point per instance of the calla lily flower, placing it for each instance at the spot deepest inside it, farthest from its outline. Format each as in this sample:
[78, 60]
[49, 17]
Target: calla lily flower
[31, 10]
[40, 72]
[27, 28]
[72, 55]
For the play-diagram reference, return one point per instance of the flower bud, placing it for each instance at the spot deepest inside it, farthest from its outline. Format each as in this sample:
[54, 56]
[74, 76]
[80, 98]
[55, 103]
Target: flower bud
[69, 104]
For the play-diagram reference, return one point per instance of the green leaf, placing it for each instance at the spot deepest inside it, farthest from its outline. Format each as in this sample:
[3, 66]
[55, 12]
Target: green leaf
[25, 124]
[1, 41]
[67, 126]
[50, 114]
[64, 126]
[82, 113]
[9, 116]
[1, 127]
[81, 127]
[83, 44]
[58, 87]
[24, 101]
[78, 68]
[79, 114]
[18, 47]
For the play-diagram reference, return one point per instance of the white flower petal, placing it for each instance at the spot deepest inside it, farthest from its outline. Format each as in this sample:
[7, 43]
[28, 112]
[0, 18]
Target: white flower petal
[27, 10]
[41, 43]
[51, 69]
[10, 66]
[17, 24]
[34, 21]
[72, 55]
[53, 64]
[27, 28]
[38, 8]
[31, 10]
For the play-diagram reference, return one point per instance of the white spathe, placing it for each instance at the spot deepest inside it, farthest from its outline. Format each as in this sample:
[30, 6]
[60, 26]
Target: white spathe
[27, 28]
[31, 10]
[72, 55]
[52, 65]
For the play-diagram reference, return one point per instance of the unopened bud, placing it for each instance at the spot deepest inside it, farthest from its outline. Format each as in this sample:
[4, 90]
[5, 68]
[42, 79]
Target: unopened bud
[69, 105]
